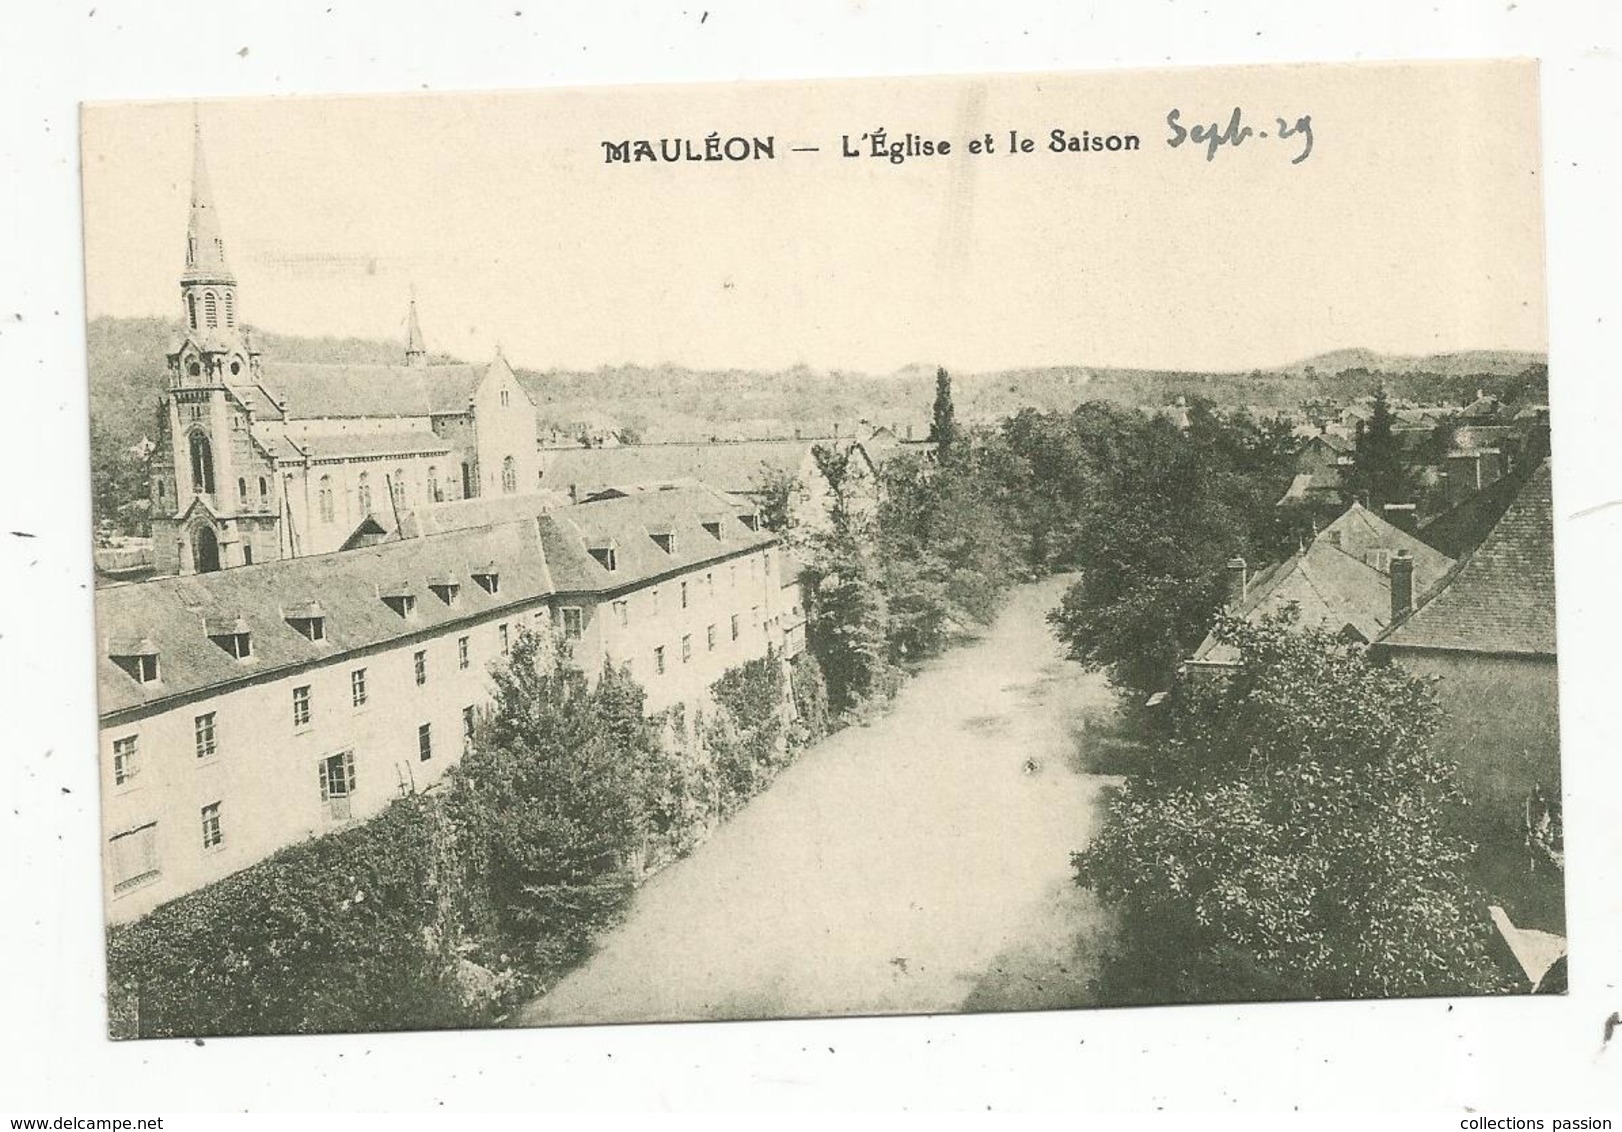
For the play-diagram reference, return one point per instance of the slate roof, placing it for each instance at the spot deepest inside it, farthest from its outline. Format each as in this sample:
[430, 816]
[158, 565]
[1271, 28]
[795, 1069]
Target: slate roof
[730, 466]
[1366, 535]
[1340, 582]
[481, 511]
[171, 611]
[628, 523]
[535, 558]
[370, 444]
[310, 390]
[1466, 524]
[1500, 599]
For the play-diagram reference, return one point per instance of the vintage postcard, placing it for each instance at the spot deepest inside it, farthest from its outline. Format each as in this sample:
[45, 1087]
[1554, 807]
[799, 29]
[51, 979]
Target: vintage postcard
[840, 548]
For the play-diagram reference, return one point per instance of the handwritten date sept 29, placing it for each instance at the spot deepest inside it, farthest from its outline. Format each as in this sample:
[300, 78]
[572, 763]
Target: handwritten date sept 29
[1216, 135]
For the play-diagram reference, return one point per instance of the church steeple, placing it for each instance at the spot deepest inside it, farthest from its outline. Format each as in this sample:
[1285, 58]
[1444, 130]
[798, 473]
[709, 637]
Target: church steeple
[207, 286]
[416, 353]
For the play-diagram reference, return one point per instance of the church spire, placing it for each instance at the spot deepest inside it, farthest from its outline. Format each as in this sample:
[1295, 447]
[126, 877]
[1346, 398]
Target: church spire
[205, 250]
[416, 353]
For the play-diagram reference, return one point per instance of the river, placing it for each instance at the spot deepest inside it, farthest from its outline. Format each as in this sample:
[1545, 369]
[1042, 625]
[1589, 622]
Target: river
[917, 864]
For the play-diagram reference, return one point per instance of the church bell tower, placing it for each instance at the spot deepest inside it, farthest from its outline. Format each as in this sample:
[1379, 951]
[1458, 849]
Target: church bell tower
[217, 503]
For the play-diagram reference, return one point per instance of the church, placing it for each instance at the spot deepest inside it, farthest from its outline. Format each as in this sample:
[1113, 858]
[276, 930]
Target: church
[259, 460]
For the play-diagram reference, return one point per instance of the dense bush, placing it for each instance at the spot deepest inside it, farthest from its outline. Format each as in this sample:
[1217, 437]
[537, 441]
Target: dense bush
[345, 932]
[1293, 839]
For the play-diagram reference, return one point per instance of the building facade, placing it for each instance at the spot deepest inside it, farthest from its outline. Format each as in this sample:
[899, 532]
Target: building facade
[245, 710]
[259, 460]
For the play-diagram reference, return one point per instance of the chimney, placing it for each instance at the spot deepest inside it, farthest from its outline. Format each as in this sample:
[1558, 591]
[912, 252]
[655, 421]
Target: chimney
[1402, 585]
[1238, 583]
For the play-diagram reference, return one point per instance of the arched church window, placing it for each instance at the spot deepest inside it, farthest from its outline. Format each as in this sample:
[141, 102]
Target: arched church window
[509, 475]
[504, 399]
[202, 464]
[264, 492]
[236, 367]
[434, 494]
[242, 491]
[211, 311]
[398, 487]
[324, 498]
[364, 487]
[194, 367]
[191, 310]
[231, 316]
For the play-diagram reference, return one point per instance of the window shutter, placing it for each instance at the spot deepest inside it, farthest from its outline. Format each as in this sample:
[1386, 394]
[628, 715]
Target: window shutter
[322, 768]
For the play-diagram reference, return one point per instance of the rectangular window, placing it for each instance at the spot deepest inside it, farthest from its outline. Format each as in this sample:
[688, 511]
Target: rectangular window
[337, 775]
[754, 616]
[212, 836]
[659, 660]
[506, 638]
[134, 856]
[419, 665]
[733, 572]
[425, 741]
[622, 613]
[734, 626]
[126, 760]
[684, 595]
[572, 624]
[709, 637]
[686, 647]
[468, 726]
[301, 706]
[655, 593]
[203, 729]
[709, 584]
[461, 652]
[357, 687]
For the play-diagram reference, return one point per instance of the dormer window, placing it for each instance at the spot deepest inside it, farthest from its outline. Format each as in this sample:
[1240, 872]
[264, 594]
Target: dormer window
[399, 598]
[308, 619]
[136, 656]
[713, 526]
[664, 540]
[445, 588]
[606, 556]
[487, 577]
[750, 520]
[231, 634]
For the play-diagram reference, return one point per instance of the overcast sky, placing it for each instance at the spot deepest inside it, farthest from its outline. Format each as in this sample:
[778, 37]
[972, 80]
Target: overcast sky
[1413, 226]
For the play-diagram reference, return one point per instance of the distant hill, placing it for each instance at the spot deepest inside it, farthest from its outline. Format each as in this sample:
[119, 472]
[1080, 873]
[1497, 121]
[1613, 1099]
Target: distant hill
[676, 403]
[1465, 363]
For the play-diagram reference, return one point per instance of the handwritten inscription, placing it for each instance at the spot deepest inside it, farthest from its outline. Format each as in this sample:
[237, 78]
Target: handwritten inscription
[1216, 135]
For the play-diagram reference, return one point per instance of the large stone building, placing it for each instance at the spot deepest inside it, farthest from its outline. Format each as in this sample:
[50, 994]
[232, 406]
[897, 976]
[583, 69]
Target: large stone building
[244, 710]
[259, 460]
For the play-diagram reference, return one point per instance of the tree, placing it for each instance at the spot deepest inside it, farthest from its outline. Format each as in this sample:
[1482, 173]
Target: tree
[1293, 839]
[559, 784]
[943, 429]
[1379, 474]
[776, 488]
[848, 622]
[1163, 511]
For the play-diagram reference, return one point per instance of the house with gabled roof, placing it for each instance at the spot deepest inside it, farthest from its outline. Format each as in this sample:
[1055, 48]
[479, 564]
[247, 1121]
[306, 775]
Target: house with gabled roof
[1486, 633]
[1340, 582]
